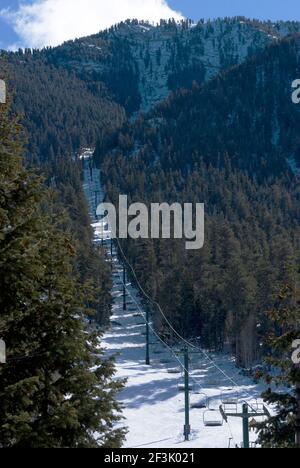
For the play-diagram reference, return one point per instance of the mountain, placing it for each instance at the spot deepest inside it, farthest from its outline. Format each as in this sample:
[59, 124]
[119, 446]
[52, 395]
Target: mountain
[217, 125]
[134, 65]
[141, 63]
[58, 110]
[233, 144]
[245, 114]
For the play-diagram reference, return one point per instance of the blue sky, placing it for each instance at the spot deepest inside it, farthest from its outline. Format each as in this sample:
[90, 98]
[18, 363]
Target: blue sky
[263, 9]
[22, 30]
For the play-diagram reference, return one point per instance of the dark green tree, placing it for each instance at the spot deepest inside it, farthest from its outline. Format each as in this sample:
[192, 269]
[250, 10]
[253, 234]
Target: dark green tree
[279, 430]
[56, 389]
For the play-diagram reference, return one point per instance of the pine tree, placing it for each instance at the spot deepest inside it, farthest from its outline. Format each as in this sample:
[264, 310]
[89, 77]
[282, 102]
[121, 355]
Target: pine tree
[56, 389]
[279, 430]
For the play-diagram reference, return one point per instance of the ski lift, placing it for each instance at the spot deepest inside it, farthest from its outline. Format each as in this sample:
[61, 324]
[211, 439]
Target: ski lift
[212, 418]
[229, 399]
[165, 361]
[256, 406]
[174, 371]
[2, 352]
[200, 404]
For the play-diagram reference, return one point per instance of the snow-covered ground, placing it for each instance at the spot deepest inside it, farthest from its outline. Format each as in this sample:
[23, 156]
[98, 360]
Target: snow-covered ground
[152, 400]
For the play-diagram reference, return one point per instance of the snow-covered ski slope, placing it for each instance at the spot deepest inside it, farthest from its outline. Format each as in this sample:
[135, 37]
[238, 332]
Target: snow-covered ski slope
[152, 400]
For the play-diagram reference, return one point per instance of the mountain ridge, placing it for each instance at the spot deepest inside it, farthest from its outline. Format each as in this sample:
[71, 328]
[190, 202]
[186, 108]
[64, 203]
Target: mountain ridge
[151, 61]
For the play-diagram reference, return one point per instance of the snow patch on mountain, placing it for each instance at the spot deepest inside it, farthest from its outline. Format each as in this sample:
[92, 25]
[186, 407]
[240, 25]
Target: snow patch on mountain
[293, 166]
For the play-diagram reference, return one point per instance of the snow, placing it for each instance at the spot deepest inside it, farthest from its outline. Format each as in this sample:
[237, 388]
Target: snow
[144, 28]
[93, 46]
[86, 153]
[293, 166]
[152, 398]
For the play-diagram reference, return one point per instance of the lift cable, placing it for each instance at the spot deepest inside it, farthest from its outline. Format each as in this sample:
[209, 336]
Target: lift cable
[188, 343]
[155, 303]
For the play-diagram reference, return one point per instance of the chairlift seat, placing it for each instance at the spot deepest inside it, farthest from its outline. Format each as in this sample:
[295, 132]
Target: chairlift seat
[212, 418]
[201, 404]
[165, 361]
[174, 371]
[229, 399]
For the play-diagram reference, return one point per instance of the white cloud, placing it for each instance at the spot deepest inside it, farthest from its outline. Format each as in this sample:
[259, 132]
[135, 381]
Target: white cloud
[51, 22]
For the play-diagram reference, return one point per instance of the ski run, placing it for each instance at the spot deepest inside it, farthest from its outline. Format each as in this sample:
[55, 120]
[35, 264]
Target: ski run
[153, 398]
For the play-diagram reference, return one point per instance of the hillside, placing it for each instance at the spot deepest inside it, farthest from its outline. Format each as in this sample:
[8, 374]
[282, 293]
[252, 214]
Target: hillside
[141, 63]
[176, 113]
[245, 114]
[58, 110]
[228, 144]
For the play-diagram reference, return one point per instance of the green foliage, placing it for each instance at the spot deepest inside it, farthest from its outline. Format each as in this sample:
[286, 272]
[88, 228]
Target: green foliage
[56, 389]
[215, 144]
[279, 430]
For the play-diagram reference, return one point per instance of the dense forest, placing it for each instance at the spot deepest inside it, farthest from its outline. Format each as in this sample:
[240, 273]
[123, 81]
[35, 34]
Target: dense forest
[139, 64]
[177, 113]
[60, 116]
[226, 144]
[43, 300]
[235, 151]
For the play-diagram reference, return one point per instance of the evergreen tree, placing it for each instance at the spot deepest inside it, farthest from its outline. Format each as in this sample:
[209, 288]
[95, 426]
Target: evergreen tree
[279, 430]
[56, 389]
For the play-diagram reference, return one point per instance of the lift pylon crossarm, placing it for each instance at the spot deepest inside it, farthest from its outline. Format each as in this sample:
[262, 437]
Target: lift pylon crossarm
[245, 416]
[248, 415]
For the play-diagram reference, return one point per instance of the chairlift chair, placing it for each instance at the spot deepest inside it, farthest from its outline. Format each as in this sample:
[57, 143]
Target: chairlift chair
[231, 400]
[256, 406]
[165, 361]
[174, 371]
[201, 404]
[212, 418]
